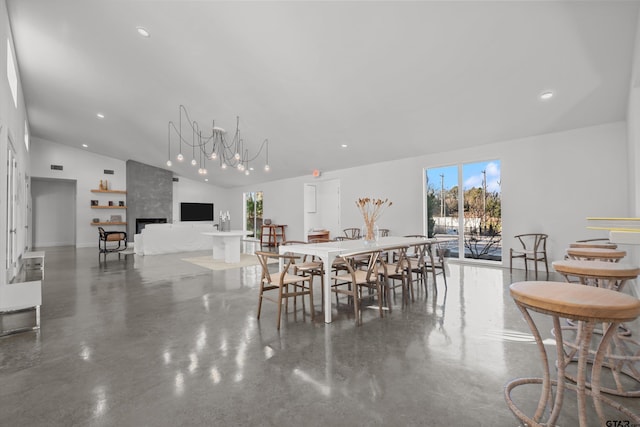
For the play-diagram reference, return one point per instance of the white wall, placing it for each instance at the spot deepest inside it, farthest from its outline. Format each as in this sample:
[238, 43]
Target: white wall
[12, 121]
[52, 201]
[187, 190]
[633, 146]
[87, 169]
[550, 183]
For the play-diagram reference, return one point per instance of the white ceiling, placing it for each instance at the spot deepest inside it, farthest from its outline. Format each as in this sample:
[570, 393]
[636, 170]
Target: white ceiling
[390, 79]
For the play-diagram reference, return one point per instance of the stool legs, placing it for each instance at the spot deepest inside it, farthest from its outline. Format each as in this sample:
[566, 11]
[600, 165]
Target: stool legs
[547, 404]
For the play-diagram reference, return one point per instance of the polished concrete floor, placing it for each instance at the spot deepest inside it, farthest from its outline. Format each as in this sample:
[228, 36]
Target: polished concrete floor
[157, 341]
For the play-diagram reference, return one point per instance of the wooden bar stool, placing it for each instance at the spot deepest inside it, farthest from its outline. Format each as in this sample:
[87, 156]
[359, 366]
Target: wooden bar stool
[602, 274]
[589, 306]
[274, 234]
[623, 355]
[593, 245]
[596, 254]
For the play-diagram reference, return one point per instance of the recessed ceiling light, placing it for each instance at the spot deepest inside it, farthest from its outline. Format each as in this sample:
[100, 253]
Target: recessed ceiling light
[143, 32]
[206, 180]
[250, 169]
[100, 116]
[344, 145]
[85, 145]
[546, 95]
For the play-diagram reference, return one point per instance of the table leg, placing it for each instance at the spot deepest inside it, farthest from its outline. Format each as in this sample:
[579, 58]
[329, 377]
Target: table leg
[328, 262]
[232, 249]
[218, 248]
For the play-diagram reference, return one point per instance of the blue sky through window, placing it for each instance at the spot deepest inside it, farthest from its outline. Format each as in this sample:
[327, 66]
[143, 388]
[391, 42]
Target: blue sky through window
[471, 176]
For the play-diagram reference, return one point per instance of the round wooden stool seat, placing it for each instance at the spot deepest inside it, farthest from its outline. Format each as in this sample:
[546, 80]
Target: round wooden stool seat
[596, 270]
[576, 302]
[596, 254]
[593, 245]
[589, 306]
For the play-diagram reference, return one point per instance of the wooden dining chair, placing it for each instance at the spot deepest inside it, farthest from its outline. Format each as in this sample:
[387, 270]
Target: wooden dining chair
[435, 263]
[286, 284]
[352, 232]
[393, 272]
[417, 256]
[352, 281]
[307, 266]
[534, 248]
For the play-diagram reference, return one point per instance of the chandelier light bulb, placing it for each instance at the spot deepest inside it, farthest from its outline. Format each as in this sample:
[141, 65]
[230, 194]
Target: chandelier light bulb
[267, 168]
[230, 153]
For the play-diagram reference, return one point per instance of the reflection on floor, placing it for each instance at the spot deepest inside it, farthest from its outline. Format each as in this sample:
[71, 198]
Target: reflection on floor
[161, 342]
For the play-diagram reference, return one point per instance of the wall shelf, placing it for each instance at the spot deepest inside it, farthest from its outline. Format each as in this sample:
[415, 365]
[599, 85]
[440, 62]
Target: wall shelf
[109, 223]
[108, 207]
[110, 191]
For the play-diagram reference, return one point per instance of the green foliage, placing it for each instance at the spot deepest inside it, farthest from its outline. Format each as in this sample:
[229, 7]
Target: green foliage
[432, 205]
[254, 211]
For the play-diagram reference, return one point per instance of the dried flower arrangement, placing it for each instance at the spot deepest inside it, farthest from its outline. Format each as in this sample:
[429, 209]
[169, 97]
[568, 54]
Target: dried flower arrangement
[371, 210]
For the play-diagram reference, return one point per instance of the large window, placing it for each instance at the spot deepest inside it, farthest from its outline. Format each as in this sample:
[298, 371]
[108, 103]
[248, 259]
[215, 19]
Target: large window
[463, 204]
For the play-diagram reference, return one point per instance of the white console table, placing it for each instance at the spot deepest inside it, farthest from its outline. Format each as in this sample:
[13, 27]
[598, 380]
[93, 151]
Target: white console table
[226, 244]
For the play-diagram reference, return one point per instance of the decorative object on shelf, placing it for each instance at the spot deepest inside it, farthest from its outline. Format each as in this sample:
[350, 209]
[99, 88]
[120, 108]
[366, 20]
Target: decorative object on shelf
[371, 210]
[115, 218]
[121, 203]
[267, 222]
[96, 219]
[213, 146]
[94, 203]
[110, 202]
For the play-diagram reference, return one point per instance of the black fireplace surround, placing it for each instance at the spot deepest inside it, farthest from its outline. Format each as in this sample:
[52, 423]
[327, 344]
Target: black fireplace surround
[142, 222]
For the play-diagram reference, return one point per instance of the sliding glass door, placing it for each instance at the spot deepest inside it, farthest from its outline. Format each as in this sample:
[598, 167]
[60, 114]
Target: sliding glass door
[253, 213]
[463, 206]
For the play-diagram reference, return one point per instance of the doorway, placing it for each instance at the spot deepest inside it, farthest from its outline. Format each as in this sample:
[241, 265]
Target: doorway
[53, 199]
[322, 207]
[253, 213]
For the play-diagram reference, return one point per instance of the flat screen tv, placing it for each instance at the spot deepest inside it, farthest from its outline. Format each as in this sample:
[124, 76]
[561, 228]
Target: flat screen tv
[196, 211]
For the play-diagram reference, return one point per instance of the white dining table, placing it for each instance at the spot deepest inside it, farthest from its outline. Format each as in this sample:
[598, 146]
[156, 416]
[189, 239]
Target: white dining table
[329, 251]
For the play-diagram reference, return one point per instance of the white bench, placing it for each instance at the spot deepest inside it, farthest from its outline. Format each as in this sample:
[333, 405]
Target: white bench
[35, 255]
[23, 294]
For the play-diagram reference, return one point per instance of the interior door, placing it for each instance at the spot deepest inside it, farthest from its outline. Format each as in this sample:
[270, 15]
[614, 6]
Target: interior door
[12, 227]
[323, 213]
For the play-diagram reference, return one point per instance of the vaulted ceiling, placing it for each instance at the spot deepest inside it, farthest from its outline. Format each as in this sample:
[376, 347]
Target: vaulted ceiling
[389, 79]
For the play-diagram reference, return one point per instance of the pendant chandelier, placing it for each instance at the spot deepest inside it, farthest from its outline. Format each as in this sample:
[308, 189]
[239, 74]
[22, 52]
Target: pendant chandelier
[212, 146]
